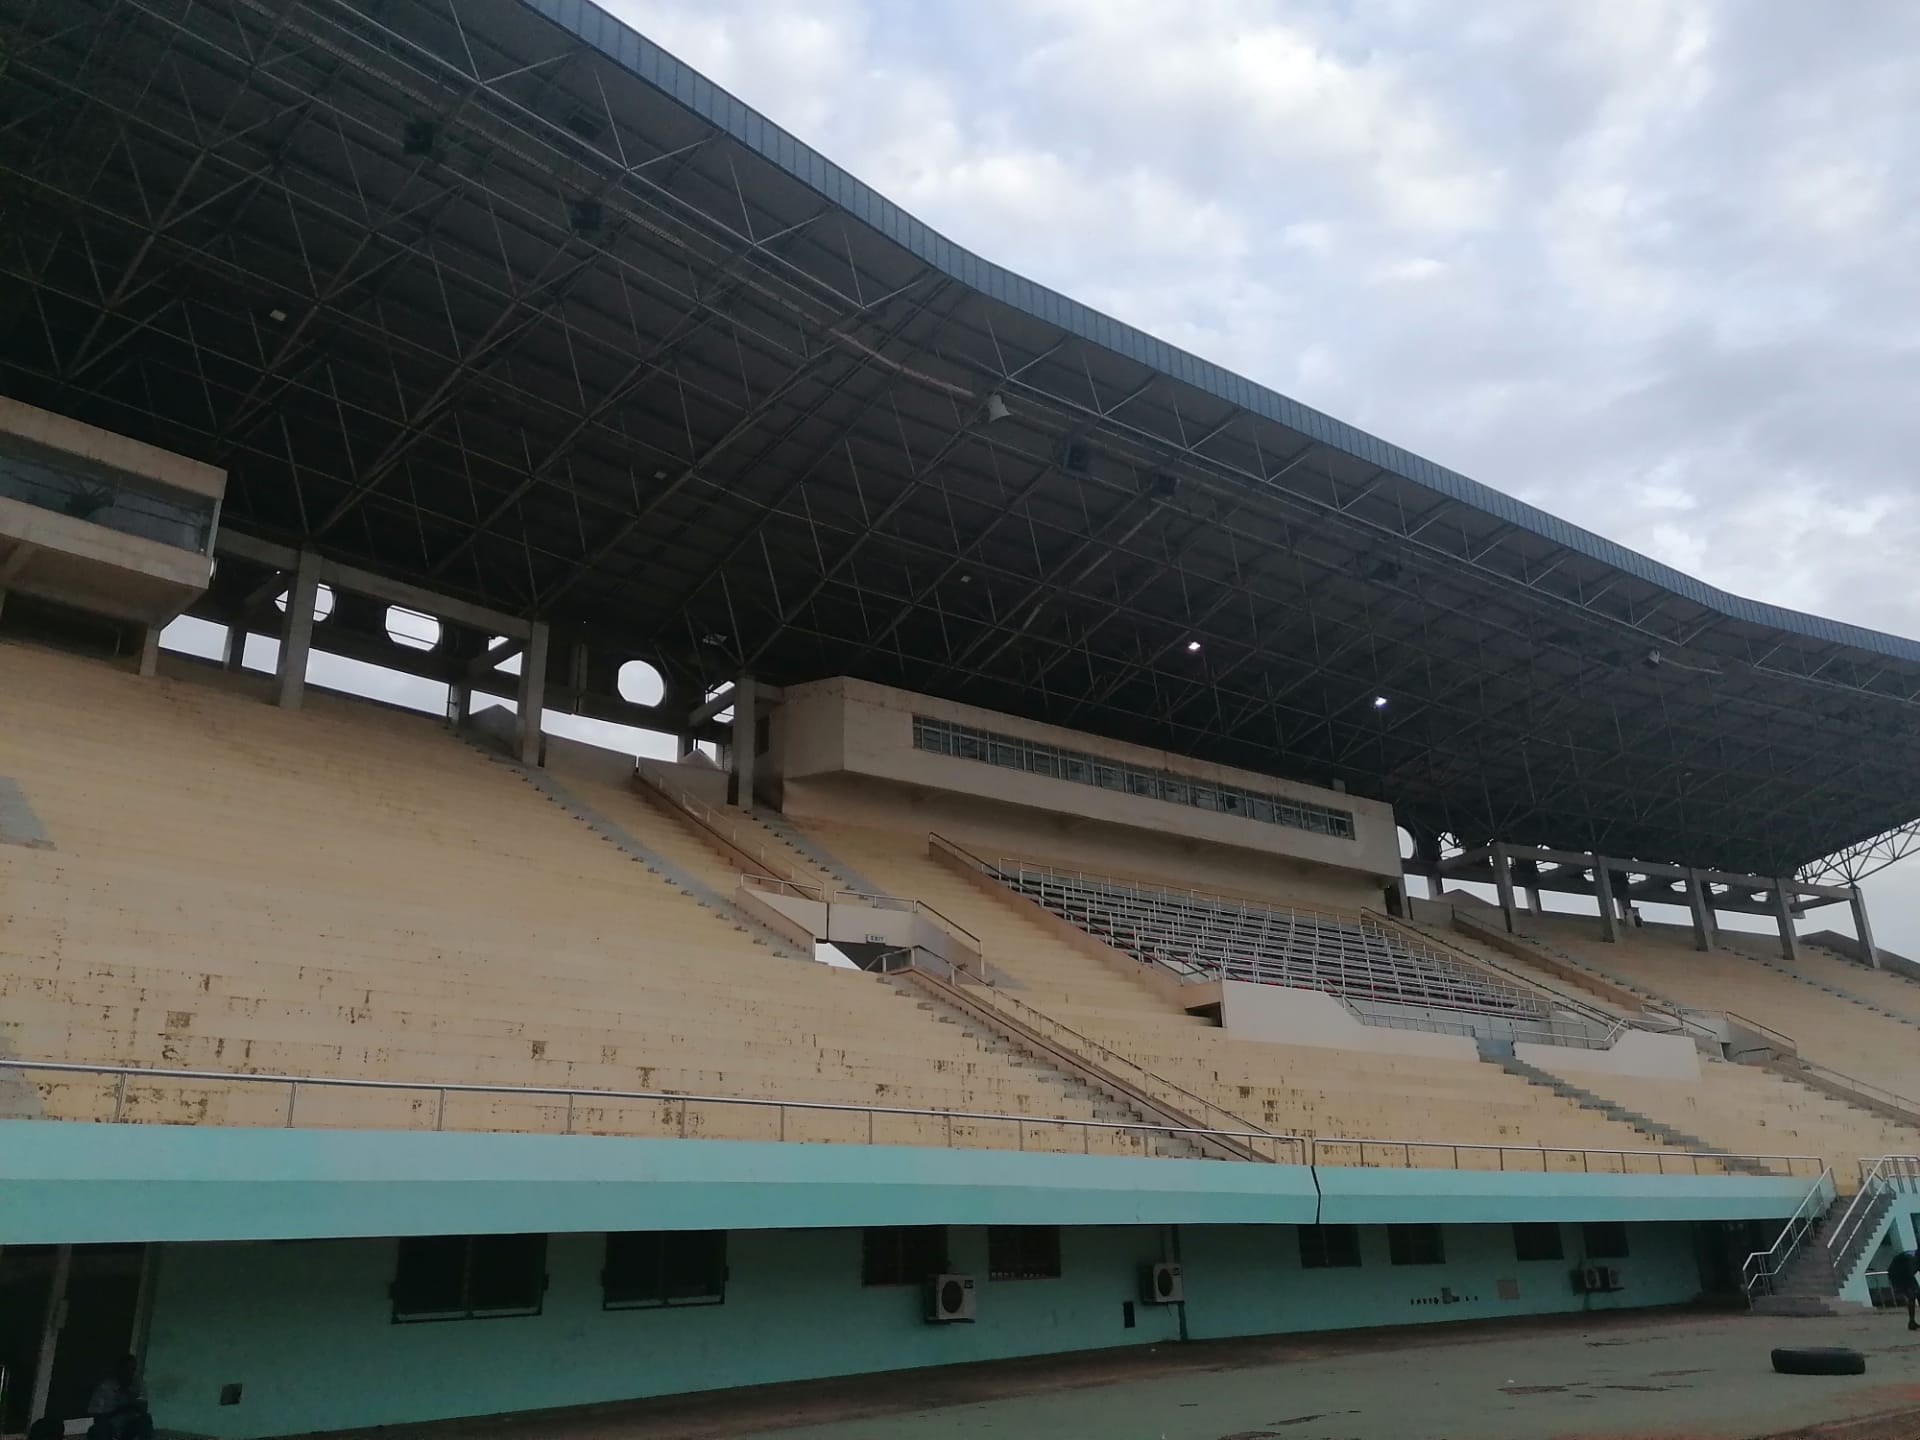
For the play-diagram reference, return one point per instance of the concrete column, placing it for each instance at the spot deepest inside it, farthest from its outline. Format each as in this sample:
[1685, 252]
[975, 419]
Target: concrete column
[1503, 882]
[1862, 927]
[1783, 914]
[532, 696]
[1609, 916]
[296, 632]
[1702, 911]
[459, 701]
[740, 751]
[233, 655]
[1533, 901]
[150, 653]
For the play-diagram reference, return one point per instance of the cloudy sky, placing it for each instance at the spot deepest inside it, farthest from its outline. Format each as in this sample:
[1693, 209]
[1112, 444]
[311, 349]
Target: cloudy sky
[1653, 265]
[1650, 264]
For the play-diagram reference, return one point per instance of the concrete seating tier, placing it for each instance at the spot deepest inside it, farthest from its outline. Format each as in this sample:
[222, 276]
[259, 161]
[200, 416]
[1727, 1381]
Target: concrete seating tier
[1297, 1089]
[350, 892]
[1661, 960]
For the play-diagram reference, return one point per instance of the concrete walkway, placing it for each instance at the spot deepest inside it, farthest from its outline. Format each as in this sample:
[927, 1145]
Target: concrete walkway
[1646, 1377]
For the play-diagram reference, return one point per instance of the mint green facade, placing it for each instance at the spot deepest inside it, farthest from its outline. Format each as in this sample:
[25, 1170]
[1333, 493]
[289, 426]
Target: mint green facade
[68, 1182]
[304, 1327]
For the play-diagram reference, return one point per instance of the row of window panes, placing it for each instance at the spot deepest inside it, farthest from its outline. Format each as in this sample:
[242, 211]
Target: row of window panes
[1332, 1247]
[459, 1277]
[91, 493]
[940, 737]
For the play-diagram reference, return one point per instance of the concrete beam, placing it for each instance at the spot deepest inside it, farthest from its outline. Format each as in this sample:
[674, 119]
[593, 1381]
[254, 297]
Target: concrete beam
[1603, 888]
[745, 731]
[532, 695]
[1863, 928]
[718, 701]
[150, 652]
[1700, 904]
[1783, 914]
[296, 632]
[1503, 883]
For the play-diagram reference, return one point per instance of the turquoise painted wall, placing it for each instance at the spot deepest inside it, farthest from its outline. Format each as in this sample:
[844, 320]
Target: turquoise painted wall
[1245, 1280]
[304, 1326]
[87, 1184]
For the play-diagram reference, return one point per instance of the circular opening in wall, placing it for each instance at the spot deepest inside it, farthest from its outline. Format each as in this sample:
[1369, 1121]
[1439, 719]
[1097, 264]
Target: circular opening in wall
[322, 601]
[411, 628]
[639, 683]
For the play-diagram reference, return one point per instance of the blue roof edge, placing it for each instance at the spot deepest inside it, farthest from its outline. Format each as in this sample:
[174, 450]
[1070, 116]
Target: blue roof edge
[628, 48]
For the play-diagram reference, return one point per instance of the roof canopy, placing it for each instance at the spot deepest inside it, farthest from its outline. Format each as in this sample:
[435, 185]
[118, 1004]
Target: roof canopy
[502, 300]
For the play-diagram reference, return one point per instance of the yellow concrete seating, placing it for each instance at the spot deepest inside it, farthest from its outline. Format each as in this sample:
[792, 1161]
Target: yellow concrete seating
[350, 892]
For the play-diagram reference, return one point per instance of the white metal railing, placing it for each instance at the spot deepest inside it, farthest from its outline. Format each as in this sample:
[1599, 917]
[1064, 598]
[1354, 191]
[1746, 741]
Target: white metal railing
[1888, 1175]
[1195, 933]
[1762, 1268]
[1859, 1086]
[746, 836]
[1611, 1026]
[1310, 1149]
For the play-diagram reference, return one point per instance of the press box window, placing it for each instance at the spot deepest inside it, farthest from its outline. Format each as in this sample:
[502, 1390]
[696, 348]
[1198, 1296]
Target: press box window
[1329, 1247]
[1537, 1242]
[647, 1269]
[1415, 1245]
[1605, 1239]
[465, 1277]
[902, 1254]
[1023, 1252]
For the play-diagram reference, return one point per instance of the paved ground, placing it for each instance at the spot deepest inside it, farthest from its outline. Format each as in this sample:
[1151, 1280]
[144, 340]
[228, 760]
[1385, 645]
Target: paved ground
[1670, 1377]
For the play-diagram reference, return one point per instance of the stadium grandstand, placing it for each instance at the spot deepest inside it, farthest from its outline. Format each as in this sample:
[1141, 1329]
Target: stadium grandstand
[1017, 951]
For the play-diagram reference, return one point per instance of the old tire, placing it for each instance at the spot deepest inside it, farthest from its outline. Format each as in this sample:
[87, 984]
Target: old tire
[1819, 1360]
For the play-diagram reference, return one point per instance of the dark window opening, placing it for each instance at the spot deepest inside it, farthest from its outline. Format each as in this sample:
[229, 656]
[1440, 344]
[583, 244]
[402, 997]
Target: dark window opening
[1537, 1242]
[1023, 1252]
[459, 1277]
[902, 1254]
[651, 1268]
[1605, 1239]
[1329, 1247]
[1415, 1245]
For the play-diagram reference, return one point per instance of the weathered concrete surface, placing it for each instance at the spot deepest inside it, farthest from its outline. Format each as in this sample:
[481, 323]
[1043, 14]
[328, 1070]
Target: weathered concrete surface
[1625, 1377]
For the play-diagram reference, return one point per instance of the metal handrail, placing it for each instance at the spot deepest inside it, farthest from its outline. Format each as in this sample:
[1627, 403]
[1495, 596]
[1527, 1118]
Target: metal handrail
[1308, 1144]
[1886, 1174]
[721, 825]
[1615, 1025]
[912, 904]
[1107, 1055]
[1865, 1087]
[1788, 1241]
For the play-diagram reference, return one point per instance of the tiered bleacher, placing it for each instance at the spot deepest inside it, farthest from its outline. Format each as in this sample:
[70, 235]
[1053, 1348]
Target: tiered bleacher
[1296, 1089]
[1220, 937]
[349, 892]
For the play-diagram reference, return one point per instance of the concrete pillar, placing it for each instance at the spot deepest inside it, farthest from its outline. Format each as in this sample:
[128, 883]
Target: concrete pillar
[1609, 917]
[1697, 902]
[1783, 914]
[459, 701]
[1533, 901]
[532, 696]
[233, 655]
[296, 632]
[740, 751]
[1503, 882]
[150, 653]
[1862, 927]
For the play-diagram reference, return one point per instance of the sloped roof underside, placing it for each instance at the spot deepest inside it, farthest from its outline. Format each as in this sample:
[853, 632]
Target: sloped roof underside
[502, 300]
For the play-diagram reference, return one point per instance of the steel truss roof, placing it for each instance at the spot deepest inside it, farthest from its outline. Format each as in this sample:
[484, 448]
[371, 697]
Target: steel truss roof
[499, 299]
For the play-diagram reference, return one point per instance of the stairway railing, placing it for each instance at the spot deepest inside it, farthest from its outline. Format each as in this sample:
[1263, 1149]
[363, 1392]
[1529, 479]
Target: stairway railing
[1763, 1267]
[1888, 1175]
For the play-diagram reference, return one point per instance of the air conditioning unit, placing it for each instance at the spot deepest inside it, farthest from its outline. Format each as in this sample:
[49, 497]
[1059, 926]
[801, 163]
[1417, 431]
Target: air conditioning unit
[1163, 1284]
[1611, 1275]
[951, 1300]
[1597, 1280]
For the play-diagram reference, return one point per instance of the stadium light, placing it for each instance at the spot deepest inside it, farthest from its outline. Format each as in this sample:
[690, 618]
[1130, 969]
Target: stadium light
[1379, 702]
[997, 408]
[1192, 646]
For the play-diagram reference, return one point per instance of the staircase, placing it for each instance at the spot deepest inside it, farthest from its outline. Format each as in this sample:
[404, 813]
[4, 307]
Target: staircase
[1107, 1105]
[1587, 1100]
[1811, 1280]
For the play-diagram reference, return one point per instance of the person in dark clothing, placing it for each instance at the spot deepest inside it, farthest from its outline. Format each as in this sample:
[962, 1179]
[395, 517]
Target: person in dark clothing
[119, 1405]
[1903, 1274]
